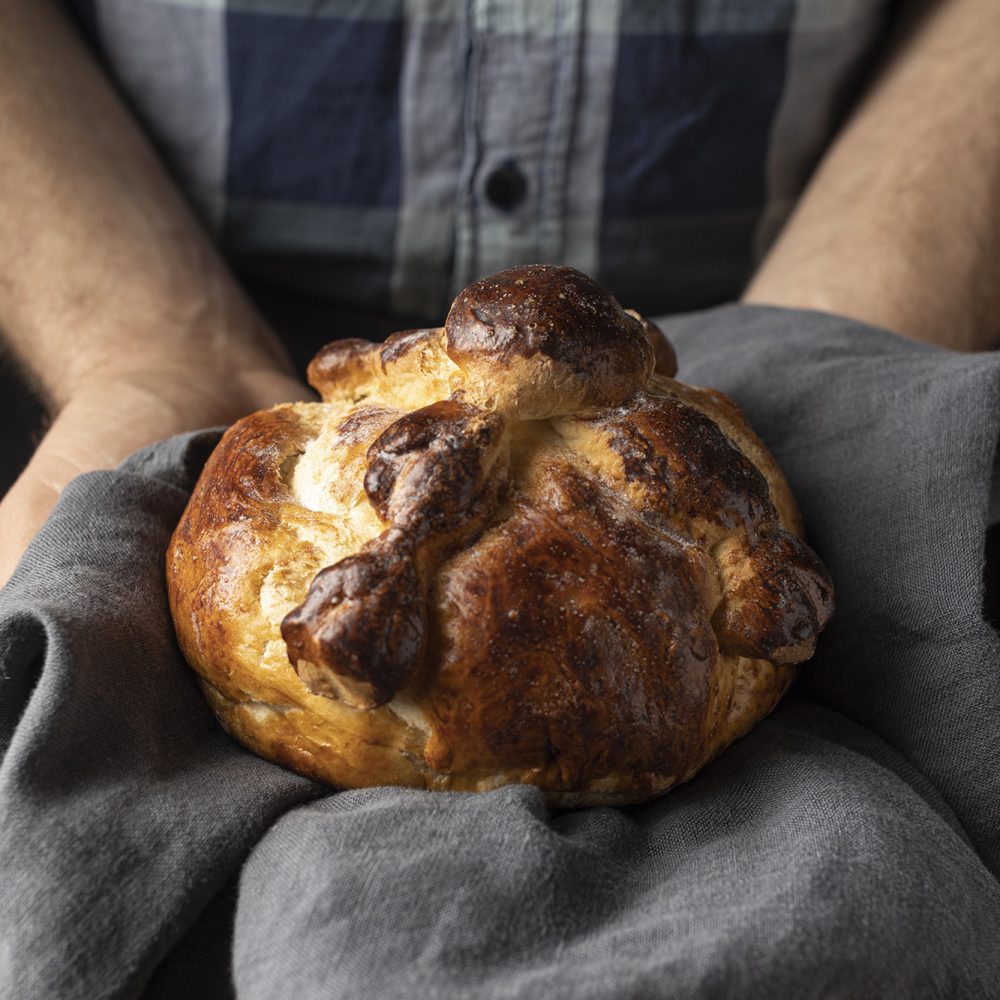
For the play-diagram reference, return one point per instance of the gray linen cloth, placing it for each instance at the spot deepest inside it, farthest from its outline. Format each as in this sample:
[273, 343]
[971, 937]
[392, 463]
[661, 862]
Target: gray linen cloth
[848, 847]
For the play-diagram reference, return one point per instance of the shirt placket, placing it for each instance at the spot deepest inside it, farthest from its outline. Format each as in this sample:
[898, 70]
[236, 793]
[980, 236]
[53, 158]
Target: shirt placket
[522, 78]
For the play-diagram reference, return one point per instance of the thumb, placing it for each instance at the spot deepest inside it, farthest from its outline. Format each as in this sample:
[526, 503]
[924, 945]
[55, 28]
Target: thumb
[29, 501]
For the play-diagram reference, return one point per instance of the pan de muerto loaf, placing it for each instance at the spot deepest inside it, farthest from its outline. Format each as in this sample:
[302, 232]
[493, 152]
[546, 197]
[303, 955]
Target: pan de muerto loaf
[511, 549]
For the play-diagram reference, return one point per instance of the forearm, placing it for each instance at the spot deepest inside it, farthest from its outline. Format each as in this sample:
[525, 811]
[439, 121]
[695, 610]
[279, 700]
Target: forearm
[110, 293]
[900, 225]
[102, 266]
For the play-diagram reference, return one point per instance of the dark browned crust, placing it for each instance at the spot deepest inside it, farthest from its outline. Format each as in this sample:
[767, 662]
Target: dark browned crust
[665, 362]
[252, 454]
[362, 629]
[595, 654]
[363, 626]
[558, 313]
[426, 471]
[777, 610]
[342, 362]
[684, 470]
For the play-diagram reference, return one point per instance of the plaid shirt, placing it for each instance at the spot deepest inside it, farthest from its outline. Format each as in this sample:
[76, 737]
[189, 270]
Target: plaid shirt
[388, 152]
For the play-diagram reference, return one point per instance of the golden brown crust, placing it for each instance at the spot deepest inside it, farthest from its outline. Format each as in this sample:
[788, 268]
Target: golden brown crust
[504, 550]
[363, 625]
[587, 616]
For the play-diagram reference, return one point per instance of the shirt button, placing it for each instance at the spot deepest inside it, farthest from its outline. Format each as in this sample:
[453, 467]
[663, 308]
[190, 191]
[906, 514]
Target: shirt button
[506, 186]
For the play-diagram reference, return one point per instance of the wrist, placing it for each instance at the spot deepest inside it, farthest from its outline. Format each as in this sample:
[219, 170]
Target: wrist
[210, 332]
[166, 396]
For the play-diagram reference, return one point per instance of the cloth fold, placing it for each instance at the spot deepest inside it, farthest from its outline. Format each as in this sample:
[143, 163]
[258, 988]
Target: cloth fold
[849, 846]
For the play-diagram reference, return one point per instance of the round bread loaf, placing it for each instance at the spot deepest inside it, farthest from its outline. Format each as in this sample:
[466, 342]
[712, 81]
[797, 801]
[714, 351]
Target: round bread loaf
[514, 549]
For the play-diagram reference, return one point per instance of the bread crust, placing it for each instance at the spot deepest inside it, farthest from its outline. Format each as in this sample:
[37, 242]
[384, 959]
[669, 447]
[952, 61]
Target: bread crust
[507, 550]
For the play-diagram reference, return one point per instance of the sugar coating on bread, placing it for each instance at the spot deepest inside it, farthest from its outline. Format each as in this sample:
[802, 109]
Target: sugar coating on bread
[514, 548]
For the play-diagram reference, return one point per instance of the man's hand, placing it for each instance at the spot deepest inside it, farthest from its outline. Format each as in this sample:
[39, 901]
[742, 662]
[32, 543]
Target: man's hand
[109, 417]
[111, 295]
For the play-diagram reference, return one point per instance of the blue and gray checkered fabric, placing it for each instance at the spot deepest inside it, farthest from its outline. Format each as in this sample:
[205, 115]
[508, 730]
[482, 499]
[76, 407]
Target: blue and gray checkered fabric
[388, 152]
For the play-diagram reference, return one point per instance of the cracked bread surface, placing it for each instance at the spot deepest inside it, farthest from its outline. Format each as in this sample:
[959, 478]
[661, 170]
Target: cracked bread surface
[512, 549]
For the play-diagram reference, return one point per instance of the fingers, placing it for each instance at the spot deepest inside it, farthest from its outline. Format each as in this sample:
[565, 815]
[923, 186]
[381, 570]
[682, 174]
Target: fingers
[87, 435]
[25, 508]
[108, 420]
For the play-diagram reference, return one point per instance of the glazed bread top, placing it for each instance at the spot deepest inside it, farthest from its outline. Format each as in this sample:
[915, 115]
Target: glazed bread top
[511, 549]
